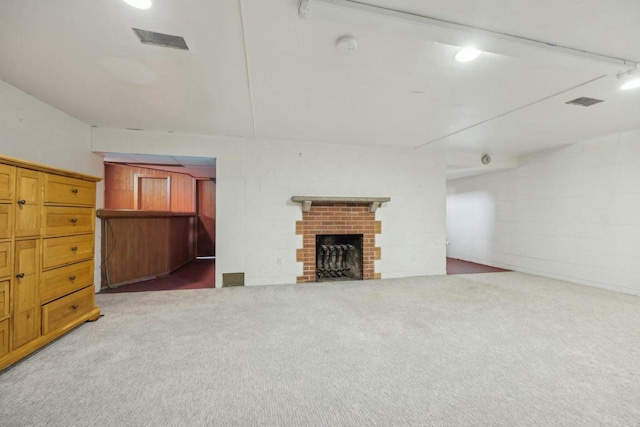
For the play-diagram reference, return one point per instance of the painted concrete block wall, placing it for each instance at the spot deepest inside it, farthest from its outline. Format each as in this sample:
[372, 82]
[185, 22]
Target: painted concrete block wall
[572, 214]
[255, 181]
[412, 237]
[34, 131]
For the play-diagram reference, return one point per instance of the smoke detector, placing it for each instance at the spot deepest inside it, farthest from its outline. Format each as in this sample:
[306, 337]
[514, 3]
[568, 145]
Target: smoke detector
[348, 43]
[486, 159]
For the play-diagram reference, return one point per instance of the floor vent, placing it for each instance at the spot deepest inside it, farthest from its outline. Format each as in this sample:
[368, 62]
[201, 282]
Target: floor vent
[159, 39]
[585, 101]
[232, 279]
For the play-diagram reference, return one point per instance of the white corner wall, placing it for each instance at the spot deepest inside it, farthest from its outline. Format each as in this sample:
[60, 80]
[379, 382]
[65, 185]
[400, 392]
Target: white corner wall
[34, 131]
[256, 178]
[572, 214]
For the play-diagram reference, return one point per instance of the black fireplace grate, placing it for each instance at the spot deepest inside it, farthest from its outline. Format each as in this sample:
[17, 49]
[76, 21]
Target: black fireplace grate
[338, 257]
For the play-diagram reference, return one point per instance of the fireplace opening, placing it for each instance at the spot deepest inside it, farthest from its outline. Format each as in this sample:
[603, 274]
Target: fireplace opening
[338, 257]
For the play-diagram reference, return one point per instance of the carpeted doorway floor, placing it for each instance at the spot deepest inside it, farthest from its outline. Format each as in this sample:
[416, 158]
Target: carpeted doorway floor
[458, 266]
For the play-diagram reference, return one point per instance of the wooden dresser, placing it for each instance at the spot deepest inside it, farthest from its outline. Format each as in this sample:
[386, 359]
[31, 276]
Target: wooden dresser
[47, 221]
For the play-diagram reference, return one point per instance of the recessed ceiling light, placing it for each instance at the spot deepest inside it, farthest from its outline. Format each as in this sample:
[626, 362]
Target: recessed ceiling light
[467, 54]
[140, 4]
[631, 84]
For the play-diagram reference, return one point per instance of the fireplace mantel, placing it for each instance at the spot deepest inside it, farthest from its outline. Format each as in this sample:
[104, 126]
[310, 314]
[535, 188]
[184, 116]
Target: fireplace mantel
[374, 202]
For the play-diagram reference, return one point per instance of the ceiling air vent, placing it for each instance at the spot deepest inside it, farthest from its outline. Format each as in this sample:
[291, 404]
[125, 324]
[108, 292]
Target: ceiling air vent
[584, 101]
[159, 39]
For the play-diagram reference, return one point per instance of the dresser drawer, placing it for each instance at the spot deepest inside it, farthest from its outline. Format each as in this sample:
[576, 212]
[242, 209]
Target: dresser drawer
[60, 251]
[5, 259]
[4, 337]
[7, 182]
[63, 220]
[4, 299]
[64, 310]
[64, 280]
[62, 190]
[6, 220]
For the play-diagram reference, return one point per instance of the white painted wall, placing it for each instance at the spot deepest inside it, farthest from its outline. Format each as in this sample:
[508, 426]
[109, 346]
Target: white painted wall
[256, 179]
[572, 213]
[34, 131]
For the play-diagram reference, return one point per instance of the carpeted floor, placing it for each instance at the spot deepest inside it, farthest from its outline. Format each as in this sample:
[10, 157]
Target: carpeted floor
[458, 266]
[496, 349]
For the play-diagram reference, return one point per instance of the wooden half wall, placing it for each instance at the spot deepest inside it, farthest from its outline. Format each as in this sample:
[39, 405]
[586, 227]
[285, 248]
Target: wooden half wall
[138, 245]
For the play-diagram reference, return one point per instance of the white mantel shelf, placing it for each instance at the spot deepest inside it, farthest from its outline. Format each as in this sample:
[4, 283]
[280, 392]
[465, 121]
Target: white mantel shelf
[374, 202]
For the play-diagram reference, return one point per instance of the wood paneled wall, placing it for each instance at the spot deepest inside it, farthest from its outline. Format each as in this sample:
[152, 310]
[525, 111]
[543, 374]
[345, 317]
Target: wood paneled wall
[206, 198]
[119, 184]
[182, 241]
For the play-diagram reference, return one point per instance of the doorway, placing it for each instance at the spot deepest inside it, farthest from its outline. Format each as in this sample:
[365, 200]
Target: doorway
[178, 195]
[469, 215]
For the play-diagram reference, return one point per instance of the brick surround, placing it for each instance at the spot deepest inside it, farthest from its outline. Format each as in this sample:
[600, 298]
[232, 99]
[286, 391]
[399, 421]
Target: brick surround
[338, 218]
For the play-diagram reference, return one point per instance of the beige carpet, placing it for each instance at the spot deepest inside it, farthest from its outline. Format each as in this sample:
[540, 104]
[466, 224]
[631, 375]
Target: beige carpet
[496, 349]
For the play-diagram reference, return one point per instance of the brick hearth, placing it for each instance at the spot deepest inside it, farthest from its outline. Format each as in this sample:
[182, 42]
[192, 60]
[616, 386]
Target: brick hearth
[338, 218]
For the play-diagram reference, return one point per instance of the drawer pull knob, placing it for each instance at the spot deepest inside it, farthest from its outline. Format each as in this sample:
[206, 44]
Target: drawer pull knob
[74, 220]
[74, 191]
[20, 275]
[74, 306]
[22, 202]
[72, 278]
[75, 248]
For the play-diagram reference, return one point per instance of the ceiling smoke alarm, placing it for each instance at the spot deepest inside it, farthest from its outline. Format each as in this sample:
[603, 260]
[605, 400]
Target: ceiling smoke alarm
[486, 159]
[348, 43]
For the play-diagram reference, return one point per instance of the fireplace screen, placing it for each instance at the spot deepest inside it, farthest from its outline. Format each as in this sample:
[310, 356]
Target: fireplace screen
[338, 257]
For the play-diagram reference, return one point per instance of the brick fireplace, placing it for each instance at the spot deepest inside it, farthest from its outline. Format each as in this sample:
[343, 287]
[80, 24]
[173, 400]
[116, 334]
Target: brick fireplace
[338, 216]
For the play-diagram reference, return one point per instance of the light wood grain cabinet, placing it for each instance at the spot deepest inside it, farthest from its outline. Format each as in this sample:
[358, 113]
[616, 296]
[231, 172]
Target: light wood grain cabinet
[4, 337]
[64, 310]
[61, 251]
[47, 239]
[6, 259]
[26, 303]
[6, 220]
[65, 280]
[59, 221]
[7, 183]
[61, 190]
[4, 299]
[28, 202]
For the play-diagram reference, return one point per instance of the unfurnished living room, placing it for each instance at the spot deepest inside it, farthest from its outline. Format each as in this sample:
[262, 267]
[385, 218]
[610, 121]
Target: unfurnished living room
[319, 213]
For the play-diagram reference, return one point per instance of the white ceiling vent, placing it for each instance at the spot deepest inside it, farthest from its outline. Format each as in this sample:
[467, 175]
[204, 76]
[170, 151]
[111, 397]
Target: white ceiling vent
[160, 39]
[584, 101]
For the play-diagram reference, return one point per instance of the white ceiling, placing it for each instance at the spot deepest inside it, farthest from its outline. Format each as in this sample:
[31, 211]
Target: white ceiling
[257, 69]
